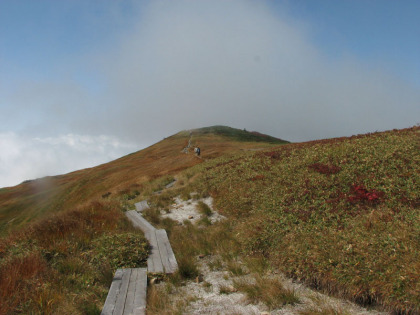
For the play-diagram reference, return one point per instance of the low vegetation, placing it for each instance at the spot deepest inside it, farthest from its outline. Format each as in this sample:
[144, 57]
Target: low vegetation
[267, 290]
[65, 263]
[340, 214]
[204, 209]
[238, 135]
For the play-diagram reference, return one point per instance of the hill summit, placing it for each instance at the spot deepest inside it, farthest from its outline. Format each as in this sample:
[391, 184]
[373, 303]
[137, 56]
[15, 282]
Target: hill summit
[238, 134]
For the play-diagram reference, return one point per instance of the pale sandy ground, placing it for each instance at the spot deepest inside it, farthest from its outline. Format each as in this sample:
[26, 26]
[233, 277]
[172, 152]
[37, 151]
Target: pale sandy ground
[187, 210]
[206, 294]
[210, 301]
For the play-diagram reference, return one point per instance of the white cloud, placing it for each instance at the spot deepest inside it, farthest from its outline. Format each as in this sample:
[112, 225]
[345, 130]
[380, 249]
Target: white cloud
[23, 158]
[192, 64]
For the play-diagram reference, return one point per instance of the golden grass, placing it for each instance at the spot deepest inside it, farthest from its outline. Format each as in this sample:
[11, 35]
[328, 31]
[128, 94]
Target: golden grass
[267, 290]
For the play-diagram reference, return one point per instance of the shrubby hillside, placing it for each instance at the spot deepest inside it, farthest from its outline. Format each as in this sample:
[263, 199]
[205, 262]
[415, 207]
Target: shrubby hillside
[341, 215]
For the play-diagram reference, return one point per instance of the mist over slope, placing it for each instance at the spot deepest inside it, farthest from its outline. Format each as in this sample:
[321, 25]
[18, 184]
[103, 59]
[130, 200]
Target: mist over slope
[35, 198]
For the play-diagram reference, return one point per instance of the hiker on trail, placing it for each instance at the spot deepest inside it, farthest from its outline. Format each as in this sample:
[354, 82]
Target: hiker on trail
[197, 150]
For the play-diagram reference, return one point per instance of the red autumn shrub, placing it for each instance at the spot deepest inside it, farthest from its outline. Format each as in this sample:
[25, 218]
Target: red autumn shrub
[273, 154]
[258, 177]
[360, 193]
[325, 169]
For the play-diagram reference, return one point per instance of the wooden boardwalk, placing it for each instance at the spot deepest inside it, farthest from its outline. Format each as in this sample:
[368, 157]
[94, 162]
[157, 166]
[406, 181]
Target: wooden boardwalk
[161, 258]
[139, 222]
[127, 295]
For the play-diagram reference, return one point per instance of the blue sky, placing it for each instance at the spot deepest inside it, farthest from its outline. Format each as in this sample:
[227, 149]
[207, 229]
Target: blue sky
[83, 82]
[383, 33]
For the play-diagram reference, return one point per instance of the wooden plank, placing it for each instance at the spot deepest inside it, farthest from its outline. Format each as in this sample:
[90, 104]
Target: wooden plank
[166, 254]
[142, 221]
[141, 292]
[170, 184]
[120, 304]
[136, 294]
[129, 299]
[113, 292]
[142, 205]
[127, 294]
[132, 217]
[131, 292]
[139, 222]
[154, 262]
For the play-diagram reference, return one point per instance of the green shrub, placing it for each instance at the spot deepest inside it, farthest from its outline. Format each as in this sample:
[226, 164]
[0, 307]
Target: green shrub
[128, 250]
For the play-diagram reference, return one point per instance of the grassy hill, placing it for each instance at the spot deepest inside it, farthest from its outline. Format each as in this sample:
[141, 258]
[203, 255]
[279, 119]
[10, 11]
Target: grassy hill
[340, 214]
[238, 135]
[60, 234]
[123, 177]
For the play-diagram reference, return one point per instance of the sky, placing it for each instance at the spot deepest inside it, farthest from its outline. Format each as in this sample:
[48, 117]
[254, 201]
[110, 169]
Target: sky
[83, 82]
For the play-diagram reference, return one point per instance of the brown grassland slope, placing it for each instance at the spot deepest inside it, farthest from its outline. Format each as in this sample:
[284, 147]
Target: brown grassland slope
[35, 198]
[64, 236]
[341, 215]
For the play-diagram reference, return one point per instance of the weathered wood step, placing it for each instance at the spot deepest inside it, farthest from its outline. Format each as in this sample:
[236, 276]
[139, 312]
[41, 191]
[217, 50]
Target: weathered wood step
[161, 258]
[139, 222]
[171, 184]
[154, 261]
[142, 205]
[166, 254]
[127, 295]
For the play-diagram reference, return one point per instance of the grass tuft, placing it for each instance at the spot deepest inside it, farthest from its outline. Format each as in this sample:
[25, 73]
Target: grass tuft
[226, 289]
[152, 215]
[269, 291]
[187, 268]
[204, 209]
[235, 268]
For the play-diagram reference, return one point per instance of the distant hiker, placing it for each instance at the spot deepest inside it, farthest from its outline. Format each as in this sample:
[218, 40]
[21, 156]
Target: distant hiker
[197, 150]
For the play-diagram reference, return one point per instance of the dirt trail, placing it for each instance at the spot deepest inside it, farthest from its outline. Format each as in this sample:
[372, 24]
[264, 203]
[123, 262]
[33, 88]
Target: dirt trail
[187, 148]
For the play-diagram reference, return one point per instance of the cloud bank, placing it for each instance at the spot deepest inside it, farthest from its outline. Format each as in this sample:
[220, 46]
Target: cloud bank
[192, 64]
[23, 158]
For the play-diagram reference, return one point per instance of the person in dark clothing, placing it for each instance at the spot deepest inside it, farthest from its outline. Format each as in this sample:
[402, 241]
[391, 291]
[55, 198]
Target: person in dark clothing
[198, 151]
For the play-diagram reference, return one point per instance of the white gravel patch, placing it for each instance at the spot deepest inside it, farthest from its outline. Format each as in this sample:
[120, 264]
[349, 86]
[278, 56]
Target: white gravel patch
[182, 210]
[209, 300]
